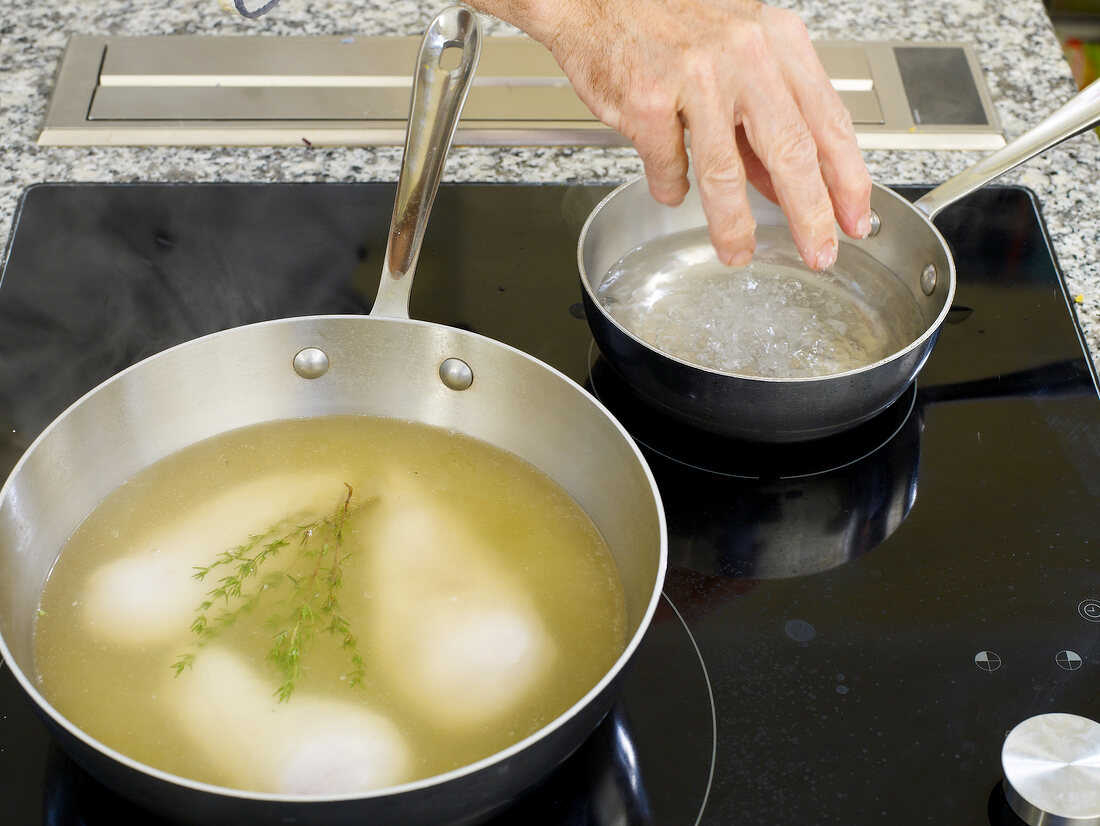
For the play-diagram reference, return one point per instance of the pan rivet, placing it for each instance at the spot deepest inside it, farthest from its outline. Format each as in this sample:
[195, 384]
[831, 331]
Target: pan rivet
[456, 374]
[928, 279]
[310, 363]
[876, 224]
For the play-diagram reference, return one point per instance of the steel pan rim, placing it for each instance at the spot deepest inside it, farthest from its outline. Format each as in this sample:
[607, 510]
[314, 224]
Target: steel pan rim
[916, 344]
[613, 673]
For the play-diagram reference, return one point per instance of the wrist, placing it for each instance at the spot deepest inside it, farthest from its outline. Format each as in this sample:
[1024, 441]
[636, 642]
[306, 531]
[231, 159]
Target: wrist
[538, 18]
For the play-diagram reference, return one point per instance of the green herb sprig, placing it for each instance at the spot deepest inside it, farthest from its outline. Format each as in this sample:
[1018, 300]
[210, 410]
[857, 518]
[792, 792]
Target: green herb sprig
[304, 604]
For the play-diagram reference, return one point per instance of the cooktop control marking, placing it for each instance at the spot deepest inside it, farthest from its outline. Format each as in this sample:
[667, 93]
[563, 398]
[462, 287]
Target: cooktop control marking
[1069, 660]
[987, 661]
[1090, 609]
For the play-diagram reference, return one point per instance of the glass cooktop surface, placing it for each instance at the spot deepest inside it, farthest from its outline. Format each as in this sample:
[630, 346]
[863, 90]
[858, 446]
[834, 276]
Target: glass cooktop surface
[850, 627]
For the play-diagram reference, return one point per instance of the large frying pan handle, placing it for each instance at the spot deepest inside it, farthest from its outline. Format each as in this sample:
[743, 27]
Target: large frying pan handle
[1080, 114]
[437, 98]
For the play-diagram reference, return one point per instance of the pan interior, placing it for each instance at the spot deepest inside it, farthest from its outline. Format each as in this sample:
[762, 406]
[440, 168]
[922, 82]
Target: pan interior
[774, 318]
[455, 601]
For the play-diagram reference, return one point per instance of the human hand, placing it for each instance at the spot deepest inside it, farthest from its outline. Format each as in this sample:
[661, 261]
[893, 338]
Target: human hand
[743, 80]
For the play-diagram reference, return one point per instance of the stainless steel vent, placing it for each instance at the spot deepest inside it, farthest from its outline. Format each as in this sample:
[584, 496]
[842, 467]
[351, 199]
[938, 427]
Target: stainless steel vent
[194, 90]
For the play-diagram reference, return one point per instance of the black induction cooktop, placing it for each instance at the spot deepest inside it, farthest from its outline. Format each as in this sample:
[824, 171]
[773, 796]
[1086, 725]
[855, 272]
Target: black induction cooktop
[850, 627]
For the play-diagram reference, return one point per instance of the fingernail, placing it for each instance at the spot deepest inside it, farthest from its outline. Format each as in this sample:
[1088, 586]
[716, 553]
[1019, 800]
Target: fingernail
[826, 256]
[741, 259]
[672, 196]
[863, 226]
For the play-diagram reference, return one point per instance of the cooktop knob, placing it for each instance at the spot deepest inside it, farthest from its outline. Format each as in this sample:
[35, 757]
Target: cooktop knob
[1052, 770]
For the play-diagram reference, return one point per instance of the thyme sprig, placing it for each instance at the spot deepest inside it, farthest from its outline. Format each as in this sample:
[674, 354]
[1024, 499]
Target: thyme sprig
[306, 603]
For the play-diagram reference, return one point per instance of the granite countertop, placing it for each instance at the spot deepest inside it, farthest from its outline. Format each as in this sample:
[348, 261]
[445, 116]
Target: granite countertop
[1015, 44]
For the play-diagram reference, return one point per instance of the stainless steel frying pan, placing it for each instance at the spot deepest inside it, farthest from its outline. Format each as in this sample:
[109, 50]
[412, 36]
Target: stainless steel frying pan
[382, 365]
[904, 252]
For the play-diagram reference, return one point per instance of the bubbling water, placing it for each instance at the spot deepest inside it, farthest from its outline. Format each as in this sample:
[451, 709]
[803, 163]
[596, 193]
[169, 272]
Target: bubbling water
[774, 318]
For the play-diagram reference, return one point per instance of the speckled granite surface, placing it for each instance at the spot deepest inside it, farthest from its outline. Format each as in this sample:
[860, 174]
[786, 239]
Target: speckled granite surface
[1015, 43]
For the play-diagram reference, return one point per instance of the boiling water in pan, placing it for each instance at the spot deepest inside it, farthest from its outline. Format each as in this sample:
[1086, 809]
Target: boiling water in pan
[774, 318]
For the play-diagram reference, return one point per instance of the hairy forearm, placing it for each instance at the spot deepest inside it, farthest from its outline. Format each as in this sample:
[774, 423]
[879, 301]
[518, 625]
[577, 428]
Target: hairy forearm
[538, 18]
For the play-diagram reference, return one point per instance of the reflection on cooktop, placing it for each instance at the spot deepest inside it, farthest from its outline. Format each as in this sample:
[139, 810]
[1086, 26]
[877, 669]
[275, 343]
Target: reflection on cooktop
[727, 456]
[763, 511]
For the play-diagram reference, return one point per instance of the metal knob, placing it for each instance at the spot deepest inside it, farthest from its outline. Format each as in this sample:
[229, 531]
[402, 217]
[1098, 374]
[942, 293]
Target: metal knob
[1052, 770]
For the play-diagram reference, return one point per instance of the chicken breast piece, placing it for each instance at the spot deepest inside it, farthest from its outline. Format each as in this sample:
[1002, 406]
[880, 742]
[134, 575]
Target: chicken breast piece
[149, 595]
[459, 637]
[308, 745]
